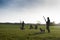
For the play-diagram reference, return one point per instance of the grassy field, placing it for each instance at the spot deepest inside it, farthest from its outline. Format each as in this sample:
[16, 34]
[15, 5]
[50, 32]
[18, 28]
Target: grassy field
[13, 32]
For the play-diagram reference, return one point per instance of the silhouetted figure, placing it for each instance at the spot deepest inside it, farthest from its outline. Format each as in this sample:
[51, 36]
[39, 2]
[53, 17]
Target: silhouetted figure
[22, 25]
[31, 27]
[36, 26]
[48, 24]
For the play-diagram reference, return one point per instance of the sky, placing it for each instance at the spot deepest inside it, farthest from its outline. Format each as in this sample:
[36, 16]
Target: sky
[29, 11]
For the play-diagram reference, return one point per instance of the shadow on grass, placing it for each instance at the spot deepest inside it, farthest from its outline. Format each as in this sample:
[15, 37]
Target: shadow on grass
[37, 33]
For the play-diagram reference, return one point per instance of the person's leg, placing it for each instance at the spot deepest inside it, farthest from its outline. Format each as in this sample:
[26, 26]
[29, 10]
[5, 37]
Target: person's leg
[48, 30]
[47, 27]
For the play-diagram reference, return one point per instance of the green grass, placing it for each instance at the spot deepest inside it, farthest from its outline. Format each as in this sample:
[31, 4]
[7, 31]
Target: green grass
[13, 32]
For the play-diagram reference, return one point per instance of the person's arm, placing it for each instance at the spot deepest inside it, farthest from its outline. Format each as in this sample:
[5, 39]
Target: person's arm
[44, 19]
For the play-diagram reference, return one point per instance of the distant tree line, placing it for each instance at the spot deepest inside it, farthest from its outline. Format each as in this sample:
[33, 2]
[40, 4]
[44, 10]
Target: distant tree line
[52, 23]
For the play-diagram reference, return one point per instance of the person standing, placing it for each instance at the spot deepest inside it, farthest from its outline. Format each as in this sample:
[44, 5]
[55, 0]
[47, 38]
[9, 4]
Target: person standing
[31, 27]
[48, 24]
[22, 25]
[36, 26]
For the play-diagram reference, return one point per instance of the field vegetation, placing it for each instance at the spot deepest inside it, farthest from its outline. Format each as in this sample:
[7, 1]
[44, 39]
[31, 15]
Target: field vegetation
[13, 32]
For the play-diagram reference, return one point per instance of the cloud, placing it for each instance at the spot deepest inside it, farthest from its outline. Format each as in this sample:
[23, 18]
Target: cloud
[20, 3]
[4, 3]
[28, 9]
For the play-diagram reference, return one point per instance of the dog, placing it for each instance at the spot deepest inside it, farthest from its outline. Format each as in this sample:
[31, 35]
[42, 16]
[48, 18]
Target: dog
[42, 31]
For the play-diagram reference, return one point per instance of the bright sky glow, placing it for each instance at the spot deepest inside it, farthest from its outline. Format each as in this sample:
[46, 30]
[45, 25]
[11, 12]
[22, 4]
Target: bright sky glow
[30, 11]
